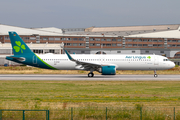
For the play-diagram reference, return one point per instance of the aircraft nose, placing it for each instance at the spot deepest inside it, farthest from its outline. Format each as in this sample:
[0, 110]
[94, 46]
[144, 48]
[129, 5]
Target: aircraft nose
[172, 64]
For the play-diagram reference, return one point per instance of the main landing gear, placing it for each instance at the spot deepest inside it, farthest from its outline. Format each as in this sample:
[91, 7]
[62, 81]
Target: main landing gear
[155, 75]
[91, 74]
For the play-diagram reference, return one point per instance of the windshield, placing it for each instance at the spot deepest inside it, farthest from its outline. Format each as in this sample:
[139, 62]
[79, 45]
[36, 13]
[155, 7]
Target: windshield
[166, 60]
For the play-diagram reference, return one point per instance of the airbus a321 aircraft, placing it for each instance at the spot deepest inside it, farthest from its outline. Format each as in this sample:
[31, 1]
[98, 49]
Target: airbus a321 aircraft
[105, 64]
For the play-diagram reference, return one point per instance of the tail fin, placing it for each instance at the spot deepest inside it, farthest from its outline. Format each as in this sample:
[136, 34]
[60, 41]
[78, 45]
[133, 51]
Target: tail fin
[18, 45]
[23, 54]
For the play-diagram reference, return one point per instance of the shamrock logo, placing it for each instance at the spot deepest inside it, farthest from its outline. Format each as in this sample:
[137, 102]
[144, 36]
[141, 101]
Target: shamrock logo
[149, 57]
[19, 47]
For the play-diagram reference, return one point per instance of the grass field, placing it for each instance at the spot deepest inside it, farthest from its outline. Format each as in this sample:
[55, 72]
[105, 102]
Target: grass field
[89, 98]
[33, 70]
[62, 94]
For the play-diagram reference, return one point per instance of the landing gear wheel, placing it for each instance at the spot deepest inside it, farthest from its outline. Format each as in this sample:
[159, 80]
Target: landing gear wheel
[155, 75]
[90, 74]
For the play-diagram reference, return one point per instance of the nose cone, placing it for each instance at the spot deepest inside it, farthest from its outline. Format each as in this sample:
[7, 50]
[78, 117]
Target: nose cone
[172, 64]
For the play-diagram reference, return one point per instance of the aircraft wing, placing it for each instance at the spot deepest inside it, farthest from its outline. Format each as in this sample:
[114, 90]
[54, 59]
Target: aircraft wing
[86, 65]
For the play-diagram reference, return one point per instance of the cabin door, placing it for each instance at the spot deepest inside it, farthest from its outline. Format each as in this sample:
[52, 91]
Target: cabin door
[156, 60]
[34, 59]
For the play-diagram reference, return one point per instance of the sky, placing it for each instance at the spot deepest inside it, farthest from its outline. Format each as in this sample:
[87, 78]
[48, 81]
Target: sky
[88, 13]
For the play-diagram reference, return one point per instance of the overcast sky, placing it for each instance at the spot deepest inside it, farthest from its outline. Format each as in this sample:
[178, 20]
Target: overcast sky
[87, 13]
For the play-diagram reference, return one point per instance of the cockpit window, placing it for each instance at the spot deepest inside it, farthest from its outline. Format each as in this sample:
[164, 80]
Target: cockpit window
[165, 59]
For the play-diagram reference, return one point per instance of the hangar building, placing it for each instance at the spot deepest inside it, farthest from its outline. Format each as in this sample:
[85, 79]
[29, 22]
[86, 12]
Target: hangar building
[154, 39]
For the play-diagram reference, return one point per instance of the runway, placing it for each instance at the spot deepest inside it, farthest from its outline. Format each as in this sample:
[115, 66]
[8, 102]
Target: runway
[96, 77]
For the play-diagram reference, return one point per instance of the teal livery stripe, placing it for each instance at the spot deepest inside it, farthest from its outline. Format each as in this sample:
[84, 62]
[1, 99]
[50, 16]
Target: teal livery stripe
[46, 63]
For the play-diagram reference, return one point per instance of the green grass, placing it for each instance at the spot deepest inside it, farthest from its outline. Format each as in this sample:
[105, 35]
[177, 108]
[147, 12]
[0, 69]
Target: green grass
[39, 94]
[89, 99]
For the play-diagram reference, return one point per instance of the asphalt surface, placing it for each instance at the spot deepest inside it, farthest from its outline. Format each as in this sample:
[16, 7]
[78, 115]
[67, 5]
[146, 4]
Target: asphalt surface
[96, 77]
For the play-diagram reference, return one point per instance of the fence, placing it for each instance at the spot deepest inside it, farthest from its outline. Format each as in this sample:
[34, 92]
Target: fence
[95, 113]
[23, 114]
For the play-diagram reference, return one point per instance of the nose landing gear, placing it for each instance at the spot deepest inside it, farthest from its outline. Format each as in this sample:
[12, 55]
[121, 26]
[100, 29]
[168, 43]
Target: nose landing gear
[155, 75]
[91, 74]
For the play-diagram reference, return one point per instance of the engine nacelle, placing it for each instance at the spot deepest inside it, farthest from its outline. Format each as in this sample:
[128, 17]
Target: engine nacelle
[108, 70]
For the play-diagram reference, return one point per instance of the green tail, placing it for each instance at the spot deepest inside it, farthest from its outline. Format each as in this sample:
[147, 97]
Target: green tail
[18, 45]
[23, 54]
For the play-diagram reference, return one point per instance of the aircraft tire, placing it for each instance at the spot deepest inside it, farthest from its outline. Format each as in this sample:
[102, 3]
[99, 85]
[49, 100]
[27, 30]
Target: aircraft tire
[90, 74]
[155, 75]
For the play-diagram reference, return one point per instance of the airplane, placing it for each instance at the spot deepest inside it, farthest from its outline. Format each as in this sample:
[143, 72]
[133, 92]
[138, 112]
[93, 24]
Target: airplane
[105, 64]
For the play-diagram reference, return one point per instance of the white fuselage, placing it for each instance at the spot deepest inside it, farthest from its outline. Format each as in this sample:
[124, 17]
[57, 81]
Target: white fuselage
[122, 62]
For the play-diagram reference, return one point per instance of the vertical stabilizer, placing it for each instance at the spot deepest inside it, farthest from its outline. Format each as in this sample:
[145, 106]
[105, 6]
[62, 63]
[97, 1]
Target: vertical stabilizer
[18, 45]
[23, 54]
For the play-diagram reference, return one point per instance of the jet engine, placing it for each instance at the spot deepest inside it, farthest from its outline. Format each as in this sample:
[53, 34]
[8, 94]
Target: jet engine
[108, 70]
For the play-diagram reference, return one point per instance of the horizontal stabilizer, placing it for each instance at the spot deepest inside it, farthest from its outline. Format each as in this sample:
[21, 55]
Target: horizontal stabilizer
[17, 58]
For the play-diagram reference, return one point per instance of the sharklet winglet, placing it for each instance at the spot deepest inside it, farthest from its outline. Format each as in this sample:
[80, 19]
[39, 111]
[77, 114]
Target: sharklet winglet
[69, 56]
